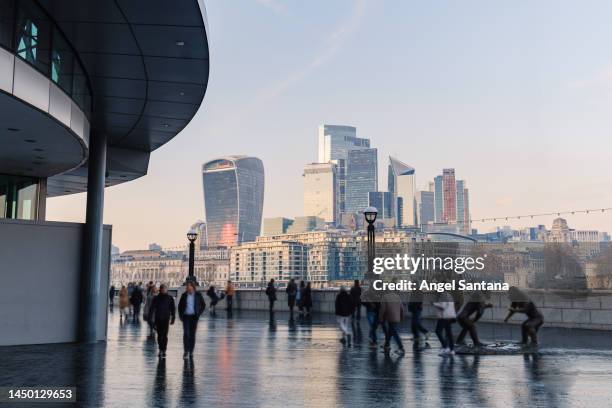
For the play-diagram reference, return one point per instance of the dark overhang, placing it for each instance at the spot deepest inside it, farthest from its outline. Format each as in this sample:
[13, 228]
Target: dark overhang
[148, 65]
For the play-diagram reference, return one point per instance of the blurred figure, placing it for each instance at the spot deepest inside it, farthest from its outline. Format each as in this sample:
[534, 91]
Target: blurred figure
[229, 295]
[149, 296]
[271, 293]
[298, 298]
[344, 309]
[214, 299]
[124, 303]
[356, 297]
[190, 307]
[391, 314]
[522, 304]
[415, 307]
[372, 312]
[136, 300]
[291, 291]
[111, 295]
[162, 312]
[444, 327]
[475, 306]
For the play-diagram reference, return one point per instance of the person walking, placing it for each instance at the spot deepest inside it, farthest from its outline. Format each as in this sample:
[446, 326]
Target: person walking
[291, 291]
[298, 298]
[416, 322]
[190, 307]
[214, 299]
[391, 313]
[344, 309]
[306, 300]
[356, 296]
[111, 295]
[230, 290]
[124, 303]
[136, 300]
[162, 312]
[149, 296]
[446, 316]
[271, 293]
[372, 312]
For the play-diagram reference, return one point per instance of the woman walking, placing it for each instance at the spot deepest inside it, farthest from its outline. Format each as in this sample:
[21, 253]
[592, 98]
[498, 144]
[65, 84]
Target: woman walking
[124, 303]
[444, 330]
[149, 296]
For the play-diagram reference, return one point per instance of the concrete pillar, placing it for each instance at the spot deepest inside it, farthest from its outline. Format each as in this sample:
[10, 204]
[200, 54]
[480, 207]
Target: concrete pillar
[89, 296]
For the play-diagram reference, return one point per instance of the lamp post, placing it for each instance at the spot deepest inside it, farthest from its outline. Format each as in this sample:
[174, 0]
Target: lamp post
[370, 214]
[192, 235]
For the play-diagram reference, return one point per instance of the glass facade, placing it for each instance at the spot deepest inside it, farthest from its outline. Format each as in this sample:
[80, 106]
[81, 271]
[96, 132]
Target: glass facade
[383, 201]
[233, 200]
[402, 185]
[27, 31]
[361, 178]
[19, 197]
[439, 199]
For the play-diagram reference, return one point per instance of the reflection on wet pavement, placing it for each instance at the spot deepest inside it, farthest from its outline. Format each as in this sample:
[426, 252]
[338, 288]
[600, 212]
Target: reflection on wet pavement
[252, 360]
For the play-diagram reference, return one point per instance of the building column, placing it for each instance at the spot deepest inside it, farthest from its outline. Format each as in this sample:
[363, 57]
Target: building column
[89, 296]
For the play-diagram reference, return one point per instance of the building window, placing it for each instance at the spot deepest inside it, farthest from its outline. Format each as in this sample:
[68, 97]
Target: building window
[19, 197]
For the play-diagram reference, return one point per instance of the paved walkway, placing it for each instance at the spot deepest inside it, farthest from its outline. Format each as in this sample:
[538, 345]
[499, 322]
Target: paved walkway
[252, 361]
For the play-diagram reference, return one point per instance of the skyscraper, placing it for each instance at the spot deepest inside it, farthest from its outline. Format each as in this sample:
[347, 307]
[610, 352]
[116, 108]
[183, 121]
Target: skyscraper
[334, 143]
[463, 216]
[361, 178]
[425, 207]
[449, 187]
[321, 191]
[401, 182]
[383, 201]
[233, 199]
[439, 199]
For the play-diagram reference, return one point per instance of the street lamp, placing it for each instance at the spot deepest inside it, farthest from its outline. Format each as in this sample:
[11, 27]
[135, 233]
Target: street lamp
[192, 235]
[370, 214]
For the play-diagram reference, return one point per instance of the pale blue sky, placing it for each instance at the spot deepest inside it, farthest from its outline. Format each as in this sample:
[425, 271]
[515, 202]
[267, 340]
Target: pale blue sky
[517, 96]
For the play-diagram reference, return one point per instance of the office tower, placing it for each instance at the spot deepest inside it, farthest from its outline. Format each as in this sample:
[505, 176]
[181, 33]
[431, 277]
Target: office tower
[321, 191]
[233, 199]
[383, 201]
[431, 187]
[401, 182]
[276, 226]
[425, 207]
[361, 178]
[461, 221]
[439, 199]
[449, 187]
[334, 143]
[463, 208]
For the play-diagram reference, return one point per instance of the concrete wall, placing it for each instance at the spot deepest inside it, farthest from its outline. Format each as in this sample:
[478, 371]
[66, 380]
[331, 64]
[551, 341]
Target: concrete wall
[40, 264]
[560, 309]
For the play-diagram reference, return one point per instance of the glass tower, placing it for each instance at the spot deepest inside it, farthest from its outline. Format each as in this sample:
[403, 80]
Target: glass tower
[334, 143]
[439, 199]
[449, 187]
[361, 178]
[233, 199]
[401, 183]
[383, 201]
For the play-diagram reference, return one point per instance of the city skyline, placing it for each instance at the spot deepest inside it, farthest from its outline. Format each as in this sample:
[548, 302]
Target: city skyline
[520, 104]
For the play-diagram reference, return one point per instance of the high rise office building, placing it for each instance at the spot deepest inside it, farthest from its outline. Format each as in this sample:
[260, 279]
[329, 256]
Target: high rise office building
[449, 187]
[334, 143]
[425, 207]
[233, 199]
[361, 178]
[383, 201]
[463, 209]
[321, 191]
[438, 199]
[402, 183]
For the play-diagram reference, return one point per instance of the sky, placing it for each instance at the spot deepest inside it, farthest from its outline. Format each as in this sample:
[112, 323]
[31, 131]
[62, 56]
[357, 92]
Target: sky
[516, 96]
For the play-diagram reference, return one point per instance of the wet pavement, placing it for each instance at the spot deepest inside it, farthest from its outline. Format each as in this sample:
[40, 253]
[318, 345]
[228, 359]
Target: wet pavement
[249, 360]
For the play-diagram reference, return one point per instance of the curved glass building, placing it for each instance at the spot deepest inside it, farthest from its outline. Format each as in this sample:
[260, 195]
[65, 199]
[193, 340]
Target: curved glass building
[233, 199]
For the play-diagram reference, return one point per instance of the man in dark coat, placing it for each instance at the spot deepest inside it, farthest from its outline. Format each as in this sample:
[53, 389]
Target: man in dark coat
[291, 291]
[271, 293]
[344, 309]
[162, 313]
[190, 307]
[356, 296]
[136, 300]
